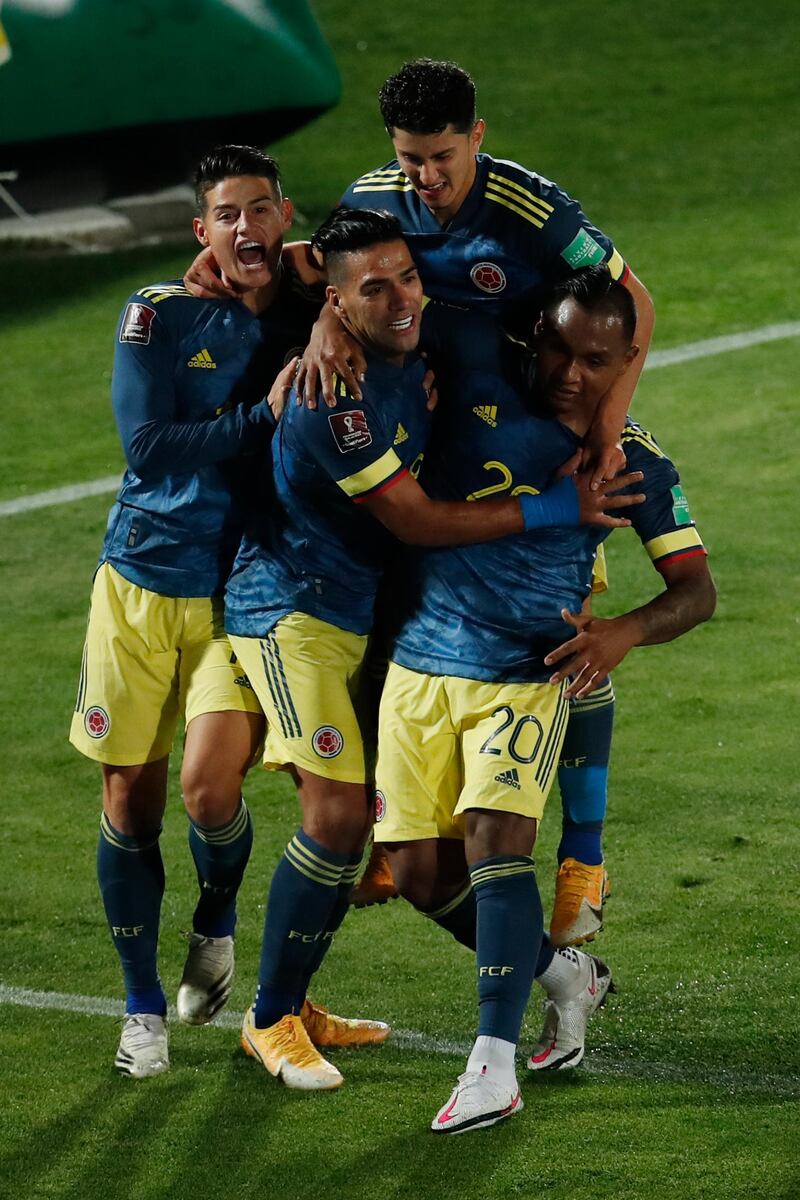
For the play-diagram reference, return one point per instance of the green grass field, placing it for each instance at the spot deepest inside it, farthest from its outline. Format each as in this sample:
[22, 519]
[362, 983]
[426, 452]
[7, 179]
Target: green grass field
[675, 129]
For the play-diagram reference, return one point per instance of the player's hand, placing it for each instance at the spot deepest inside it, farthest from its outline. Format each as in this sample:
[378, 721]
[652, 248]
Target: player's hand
[598, 647]
[593, 503]
[205, 280]
[331, 351]
[602, 454]
[429, 387]
[279, 392]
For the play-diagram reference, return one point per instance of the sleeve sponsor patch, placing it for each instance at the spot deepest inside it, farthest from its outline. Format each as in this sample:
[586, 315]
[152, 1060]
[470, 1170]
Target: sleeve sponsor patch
[680, 506]
[350, 430]
[583, 251]
[136, 324]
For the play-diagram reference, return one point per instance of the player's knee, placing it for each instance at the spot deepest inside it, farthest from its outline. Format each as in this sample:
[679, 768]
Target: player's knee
[341, 822]
[210, 798]
[414, 879]
[492, 834]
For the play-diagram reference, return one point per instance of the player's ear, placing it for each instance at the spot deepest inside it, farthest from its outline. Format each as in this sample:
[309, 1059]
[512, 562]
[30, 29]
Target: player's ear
[287, 213]
[200, 231]
[630, 354]
[334, 300]
[478, 130]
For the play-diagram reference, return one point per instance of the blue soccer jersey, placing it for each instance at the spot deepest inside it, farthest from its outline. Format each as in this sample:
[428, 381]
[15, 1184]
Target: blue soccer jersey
[187, 390]
[513, 237]
[492, 611]
[316, 551]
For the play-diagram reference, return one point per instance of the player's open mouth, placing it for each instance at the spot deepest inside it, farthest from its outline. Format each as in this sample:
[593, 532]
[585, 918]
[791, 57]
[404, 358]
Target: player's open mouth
[402, 326]
[251, 254]
[432, 192]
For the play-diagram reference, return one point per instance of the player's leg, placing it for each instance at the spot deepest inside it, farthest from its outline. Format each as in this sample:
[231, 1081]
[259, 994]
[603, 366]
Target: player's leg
[509, 931]
[224, 731]
[218, 751]
[432, 874]
[582, 882]
[130, 651]
[306, 675]
[510, 737]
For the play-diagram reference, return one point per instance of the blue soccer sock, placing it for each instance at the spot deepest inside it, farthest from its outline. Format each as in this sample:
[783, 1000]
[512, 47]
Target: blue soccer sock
[459, 917]
[510, 928]
[303, 900]
[339, 911]
[583, 776]
[220, 855]
[130, 873]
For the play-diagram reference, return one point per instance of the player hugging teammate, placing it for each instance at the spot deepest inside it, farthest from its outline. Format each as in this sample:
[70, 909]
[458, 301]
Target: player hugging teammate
[492, 635]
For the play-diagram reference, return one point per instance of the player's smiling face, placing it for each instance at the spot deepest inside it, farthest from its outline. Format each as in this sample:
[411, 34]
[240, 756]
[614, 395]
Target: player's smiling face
[440, 166]
[377, 295]
[579, 354]
[244, 222]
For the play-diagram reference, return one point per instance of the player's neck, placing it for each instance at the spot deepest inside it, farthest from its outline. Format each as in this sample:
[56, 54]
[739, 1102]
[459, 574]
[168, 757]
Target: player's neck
[259, 299]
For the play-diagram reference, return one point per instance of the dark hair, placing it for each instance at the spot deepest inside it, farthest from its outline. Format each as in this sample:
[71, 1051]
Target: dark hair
[593, 288]
[426, 96]
[224, 162]
[349, 229]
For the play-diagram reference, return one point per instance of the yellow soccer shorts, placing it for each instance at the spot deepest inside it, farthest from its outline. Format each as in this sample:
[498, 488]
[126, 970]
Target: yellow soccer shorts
[147, 660]
[311, 679]
[446, 745]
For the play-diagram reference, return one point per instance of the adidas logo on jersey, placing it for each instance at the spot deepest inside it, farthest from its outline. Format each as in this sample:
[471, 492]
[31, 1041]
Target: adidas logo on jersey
[510, 777]
[487, 413]
[202, 359]
[400, 436]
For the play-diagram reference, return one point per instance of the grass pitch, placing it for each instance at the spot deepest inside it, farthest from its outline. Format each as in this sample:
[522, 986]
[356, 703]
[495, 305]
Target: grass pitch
[675, 131]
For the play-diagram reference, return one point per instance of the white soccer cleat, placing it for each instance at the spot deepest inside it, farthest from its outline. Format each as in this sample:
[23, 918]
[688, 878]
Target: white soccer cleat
[207, 977]
[143, 1046]
[562, 1041]
[476, 1101]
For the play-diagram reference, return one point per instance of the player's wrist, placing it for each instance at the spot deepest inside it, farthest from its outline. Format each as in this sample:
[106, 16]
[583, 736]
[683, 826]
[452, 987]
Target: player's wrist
[558, 506]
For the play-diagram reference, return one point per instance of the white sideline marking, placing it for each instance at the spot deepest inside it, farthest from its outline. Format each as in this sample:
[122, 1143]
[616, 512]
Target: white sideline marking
[656, 359]
[721, 345]
[595, 1064]
[62, 495]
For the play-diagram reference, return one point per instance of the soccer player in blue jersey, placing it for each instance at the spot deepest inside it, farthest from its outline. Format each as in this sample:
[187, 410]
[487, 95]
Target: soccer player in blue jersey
[473, 712]
[299, 607]
[187, 391]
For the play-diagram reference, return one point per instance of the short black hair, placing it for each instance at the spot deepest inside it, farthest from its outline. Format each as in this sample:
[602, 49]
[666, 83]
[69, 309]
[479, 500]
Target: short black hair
[349, 229]
[426, 96]
[225, 162]
[593, 288]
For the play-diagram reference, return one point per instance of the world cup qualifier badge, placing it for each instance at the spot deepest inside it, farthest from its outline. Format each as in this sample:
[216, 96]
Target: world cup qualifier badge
[327, 741]
[350, 430]
[488, 277]
[136, 324]
[96, 721]
[380, 806]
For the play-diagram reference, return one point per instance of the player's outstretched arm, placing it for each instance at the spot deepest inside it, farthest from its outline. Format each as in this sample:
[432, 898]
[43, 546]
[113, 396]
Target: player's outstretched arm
[600, 645]
[603, 454]
[414, 518]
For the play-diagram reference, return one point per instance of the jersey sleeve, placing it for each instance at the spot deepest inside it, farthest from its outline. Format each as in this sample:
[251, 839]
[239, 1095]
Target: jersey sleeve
[143, 397]
[561, 234]
[352, 443]
[664, 523]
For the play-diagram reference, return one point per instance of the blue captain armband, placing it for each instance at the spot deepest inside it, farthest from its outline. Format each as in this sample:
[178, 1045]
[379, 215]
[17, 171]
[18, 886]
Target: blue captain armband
[556, 506]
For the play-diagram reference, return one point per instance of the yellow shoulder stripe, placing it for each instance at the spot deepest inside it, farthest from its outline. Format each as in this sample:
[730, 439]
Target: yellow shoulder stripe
[616, 265]
[155, 294]
[372, 476]
[523, 191]
[514, 208]
[383, 187]
[668, 543]
[632, 434]
[382, 173]
[600, 572]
